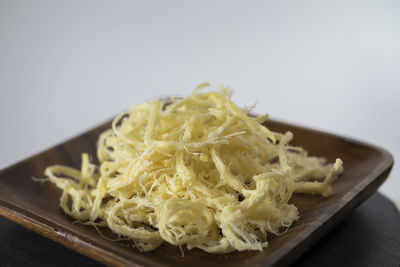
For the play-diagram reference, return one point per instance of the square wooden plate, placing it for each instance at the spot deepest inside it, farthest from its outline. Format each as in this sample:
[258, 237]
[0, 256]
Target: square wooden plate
[35, 205]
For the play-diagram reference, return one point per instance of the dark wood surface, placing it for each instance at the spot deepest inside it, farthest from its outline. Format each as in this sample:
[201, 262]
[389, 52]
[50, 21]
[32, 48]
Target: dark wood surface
[369, 236]
[35, 205]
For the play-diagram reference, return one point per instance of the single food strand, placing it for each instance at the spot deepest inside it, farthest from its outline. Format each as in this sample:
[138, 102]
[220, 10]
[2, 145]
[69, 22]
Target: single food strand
[197, 171]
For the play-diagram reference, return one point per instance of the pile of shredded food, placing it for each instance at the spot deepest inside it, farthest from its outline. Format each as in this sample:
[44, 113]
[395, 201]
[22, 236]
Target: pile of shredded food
[198, 172]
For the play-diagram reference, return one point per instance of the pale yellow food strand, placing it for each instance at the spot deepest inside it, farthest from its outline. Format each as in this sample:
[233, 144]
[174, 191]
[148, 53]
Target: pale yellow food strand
[198, 172]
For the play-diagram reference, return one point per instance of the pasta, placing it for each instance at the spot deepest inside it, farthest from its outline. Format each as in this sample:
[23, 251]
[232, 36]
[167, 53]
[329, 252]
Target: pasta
[196, 172]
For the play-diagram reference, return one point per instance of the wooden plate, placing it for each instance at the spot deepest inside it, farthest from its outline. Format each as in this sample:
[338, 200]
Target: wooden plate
[35, 205]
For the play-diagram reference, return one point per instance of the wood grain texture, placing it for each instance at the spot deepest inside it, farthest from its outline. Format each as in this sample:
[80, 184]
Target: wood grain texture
[368, 237]
[35, 205]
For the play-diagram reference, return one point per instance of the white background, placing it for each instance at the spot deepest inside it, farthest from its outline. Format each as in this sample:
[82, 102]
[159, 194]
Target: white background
[67, 66]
